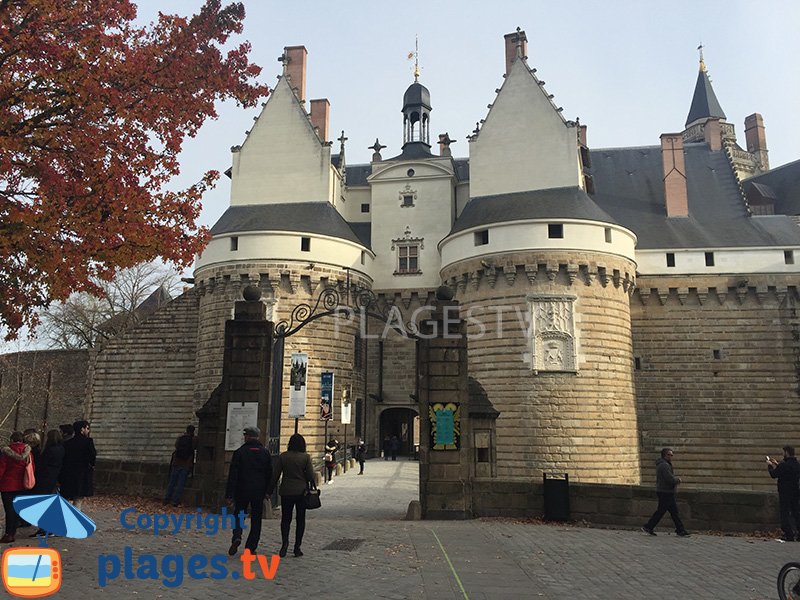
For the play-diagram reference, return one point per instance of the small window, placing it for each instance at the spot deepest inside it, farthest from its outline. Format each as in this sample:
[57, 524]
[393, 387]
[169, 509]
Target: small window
[709, 259]
[365, 208]
[788, 257]
[234, 244]
[410, 172]
[482, 237]
[408, 200]
[483, 455]
[408, 259]
[717, 354]
[363, 257]
[555, 230]
[608, 235]
[670, 259]
[637, 363]
[305, 244]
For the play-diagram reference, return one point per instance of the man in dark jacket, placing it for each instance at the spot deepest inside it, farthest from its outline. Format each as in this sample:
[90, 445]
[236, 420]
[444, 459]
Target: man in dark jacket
[666, 482]
[181, 465]
[78, 465]
[788, 475]
[249, 478]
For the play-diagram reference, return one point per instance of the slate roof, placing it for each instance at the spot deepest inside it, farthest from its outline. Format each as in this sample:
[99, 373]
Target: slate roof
[555, 203]
[704, 101]
[784, 183]
[417, 95]
[414, 150]
[364, 232]
[629, 186]
[357, 174]
[311, 217]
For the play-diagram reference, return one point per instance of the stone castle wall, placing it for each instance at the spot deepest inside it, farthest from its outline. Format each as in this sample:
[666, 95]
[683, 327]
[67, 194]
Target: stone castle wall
[581, 422]
[717, 375]
[142, 384]
[42, 389]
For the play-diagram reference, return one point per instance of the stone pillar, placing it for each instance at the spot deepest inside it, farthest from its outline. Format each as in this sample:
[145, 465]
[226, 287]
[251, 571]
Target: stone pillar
[445, 458]
[245, 378]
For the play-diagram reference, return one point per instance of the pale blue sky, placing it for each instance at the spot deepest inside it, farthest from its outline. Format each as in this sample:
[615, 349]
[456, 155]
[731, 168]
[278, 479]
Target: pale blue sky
[626, 68]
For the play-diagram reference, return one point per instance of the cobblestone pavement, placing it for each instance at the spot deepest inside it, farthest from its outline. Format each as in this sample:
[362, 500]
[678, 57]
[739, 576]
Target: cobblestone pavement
[382, 556]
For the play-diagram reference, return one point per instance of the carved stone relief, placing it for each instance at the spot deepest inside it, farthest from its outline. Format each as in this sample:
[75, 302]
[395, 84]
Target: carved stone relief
[553, 333]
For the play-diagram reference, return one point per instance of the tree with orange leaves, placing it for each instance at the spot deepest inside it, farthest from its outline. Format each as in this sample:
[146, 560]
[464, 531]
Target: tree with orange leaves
[93, 112]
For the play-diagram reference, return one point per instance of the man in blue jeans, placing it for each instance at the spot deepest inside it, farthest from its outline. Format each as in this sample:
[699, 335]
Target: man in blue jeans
[181, 465]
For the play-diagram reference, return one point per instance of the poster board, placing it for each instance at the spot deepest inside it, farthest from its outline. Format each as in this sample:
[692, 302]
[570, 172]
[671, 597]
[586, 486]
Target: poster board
[297, 385]
[240, 415]
[326, 397]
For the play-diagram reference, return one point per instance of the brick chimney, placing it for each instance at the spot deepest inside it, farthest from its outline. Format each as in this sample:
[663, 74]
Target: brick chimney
[296, 69]
[320, 116]
[677, 200]
[756, 138]
[582, 136]
[511, 47]
[712, 133]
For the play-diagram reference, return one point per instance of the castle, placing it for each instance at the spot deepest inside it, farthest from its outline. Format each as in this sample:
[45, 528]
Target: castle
[616, 300]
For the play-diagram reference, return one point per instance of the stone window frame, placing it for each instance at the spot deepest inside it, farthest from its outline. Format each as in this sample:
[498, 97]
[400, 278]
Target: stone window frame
[402, 246]
[407, 194]
[559, 335]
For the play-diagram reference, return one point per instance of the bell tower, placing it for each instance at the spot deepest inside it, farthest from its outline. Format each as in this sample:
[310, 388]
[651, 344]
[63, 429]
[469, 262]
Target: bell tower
[416, 111]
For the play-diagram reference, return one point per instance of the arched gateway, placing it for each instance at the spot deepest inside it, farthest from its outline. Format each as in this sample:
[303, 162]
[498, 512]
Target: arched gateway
[448, 428]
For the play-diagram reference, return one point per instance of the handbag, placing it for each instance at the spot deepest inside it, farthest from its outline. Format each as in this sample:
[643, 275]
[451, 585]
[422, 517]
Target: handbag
[311, 498]
[28, 479]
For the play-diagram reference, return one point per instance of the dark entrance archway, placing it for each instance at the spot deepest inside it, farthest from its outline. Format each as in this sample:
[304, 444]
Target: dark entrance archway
[403, 423]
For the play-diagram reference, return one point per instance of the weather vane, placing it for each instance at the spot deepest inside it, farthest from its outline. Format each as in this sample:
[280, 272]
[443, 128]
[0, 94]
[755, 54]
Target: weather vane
[415, 56]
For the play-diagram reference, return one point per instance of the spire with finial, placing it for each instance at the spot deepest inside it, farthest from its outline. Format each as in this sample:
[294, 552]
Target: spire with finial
[284, 60]
[376, 150]
[416, 59]
[518, 40]
[704, 101]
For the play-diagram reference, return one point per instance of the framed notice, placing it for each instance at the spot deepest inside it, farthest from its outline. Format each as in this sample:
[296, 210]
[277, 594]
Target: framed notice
[297, 385]
[240, 415]
[445, 425]
[346, 411]
[326, 397]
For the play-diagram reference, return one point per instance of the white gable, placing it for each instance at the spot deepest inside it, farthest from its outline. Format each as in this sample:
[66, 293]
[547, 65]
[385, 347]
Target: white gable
[524, 143]
[282, 159]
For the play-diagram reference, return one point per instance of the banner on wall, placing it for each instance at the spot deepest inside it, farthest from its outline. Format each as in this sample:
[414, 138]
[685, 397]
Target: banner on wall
[297, 385]
[326, 397]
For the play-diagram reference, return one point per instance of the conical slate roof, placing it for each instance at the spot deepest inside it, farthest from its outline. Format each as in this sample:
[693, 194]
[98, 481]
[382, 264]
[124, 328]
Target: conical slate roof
[704, 101]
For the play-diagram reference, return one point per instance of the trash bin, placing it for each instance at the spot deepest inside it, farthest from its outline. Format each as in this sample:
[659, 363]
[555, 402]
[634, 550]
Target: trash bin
[556, 497]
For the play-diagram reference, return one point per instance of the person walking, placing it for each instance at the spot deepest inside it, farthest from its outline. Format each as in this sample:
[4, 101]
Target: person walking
[394, 446]
[79, 460]
[181, 465]
[48, 467]
[249, 478]
[13, 461]
[666, 484]
[788, 475]
[387, 446]
[361, 455]
[330, 458]
[296, 472]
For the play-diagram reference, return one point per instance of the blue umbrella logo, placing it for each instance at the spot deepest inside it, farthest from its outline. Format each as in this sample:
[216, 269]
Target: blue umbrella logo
[55, 515]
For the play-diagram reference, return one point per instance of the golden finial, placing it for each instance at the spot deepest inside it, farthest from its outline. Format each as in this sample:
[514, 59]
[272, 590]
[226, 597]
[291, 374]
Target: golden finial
[702, 62]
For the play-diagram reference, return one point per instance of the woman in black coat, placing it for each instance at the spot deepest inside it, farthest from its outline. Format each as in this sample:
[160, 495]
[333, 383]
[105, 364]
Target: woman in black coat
[48, 467]
[76, 471]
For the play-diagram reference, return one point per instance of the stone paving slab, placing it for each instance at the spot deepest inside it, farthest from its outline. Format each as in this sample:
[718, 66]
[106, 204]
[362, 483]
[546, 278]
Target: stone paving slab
[493, 559]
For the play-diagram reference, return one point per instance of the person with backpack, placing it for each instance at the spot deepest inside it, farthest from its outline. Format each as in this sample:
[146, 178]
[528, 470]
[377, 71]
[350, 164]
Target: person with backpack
[14, 459]
[181, 465]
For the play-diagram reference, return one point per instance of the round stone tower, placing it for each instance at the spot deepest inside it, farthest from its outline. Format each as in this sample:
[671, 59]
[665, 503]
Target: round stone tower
[544, 279]
[291, 253]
